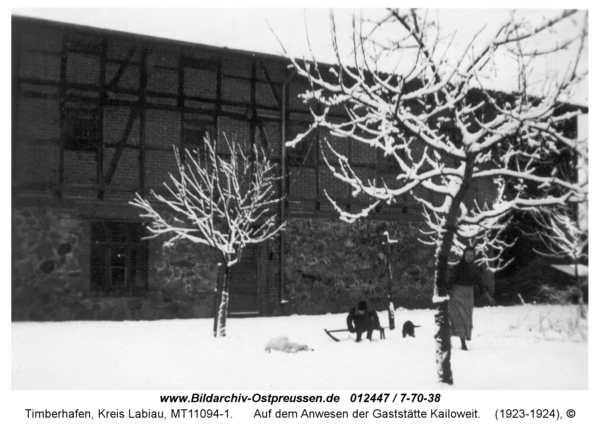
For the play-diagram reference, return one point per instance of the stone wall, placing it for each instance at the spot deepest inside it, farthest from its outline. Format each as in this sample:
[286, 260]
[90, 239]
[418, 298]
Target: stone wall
[51, 274]
[182, 280]
[50, 265]
[330, 265]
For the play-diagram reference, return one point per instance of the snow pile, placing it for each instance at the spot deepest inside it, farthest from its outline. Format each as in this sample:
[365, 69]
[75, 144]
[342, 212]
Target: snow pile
[526, 347]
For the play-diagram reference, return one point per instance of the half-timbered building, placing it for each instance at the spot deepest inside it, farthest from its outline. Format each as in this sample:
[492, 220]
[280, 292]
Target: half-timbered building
[96, 116]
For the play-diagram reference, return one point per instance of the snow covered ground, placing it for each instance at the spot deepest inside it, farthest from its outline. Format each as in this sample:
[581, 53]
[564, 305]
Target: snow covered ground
[525, 347]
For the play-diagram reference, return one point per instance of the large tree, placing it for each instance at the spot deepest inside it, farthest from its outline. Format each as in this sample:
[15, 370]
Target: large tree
[407, 91]
[222, 200]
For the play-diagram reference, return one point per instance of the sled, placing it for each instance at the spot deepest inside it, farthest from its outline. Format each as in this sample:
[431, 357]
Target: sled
[381, 333]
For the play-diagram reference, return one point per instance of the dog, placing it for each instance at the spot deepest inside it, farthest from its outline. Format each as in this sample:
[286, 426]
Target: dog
[283, 344]
[409, 329]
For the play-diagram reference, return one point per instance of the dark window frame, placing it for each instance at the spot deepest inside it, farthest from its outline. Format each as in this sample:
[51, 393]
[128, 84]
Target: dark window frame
[119, 259]
[195, 130]
[81, 130]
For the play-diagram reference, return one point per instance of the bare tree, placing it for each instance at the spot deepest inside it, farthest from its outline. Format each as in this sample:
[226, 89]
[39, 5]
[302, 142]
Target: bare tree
[407, 92]
[224, 201]
[563, 235]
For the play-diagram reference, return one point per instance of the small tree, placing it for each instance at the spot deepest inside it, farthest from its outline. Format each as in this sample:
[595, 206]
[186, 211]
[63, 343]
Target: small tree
[564, 236]
[407, 92]
[224, 201]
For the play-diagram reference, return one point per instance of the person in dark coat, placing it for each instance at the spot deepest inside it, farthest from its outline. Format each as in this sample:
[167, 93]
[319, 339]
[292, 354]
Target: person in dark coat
[464, 283]
[362, 319]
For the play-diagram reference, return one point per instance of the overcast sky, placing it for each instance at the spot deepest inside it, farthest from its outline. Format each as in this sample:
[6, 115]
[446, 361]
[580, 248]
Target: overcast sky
[258, 29]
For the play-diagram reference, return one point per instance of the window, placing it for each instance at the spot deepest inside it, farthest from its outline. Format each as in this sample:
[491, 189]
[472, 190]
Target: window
[81, 128]
[119, 259]
[195, 129]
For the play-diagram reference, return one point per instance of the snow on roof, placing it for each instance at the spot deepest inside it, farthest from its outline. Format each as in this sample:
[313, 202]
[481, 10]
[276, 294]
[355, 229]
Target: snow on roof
[582, 270]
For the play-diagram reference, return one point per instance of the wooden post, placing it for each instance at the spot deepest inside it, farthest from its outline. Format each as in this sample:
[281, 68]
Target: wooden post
[388, 263]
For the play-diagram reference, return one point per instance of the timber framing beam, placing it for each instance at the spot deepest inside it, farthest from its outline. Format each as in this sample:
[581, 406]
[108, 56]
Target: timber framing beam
[119, 149]
[137, 110]
[100, 148]
[62, 88]
[271, 84]
[122, 67]
[142, 146]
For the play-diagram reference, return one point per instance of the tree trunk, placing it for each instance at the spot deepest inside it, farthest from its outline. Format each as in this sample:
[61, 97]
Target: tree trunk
[440, 291]
[217, 296]
[222, 312]
[582, 312]
[443, 348]
[391, 316]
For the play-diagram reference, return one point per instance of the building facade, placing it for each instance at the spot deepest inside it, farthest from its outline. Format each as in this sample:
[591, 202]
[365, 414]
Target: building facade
[96, 116]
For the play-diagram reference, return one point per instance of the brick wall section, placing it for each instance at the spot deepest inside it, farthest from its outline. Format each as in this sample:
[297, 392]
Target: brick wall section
[160, 163]
[335, 188]
[36, 163]
[163, 80]
[234, 130]
[237, 66]
[277, 70]
[163, 56]
[127, 173]
[42, 37]
[130, 79]
[42, 91]
[200, 83]
[118, 49]
[236, 90]
[302, 183]
[38, 119]
[273, 132]
[37, 64]
[82, 68]
[264, 95]
[115, 122]
[337, 143]
[80, 167]
[162, 128]
[363, 153]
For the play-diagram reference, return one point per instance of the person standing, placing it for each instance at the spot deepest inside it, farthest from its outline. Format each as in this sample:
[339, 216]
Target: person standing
[465, 281]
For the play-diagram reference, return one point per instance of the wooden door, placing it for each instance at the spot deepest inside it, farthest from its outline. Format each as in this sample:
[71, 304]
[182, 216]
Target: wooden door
[243, 287]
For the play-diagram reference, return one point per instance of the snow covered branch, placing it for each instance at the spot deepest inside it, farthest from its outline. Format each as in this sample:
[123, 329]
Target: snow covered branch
[435, 116]
[561, 232]
[225, 201]
[468, 152]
